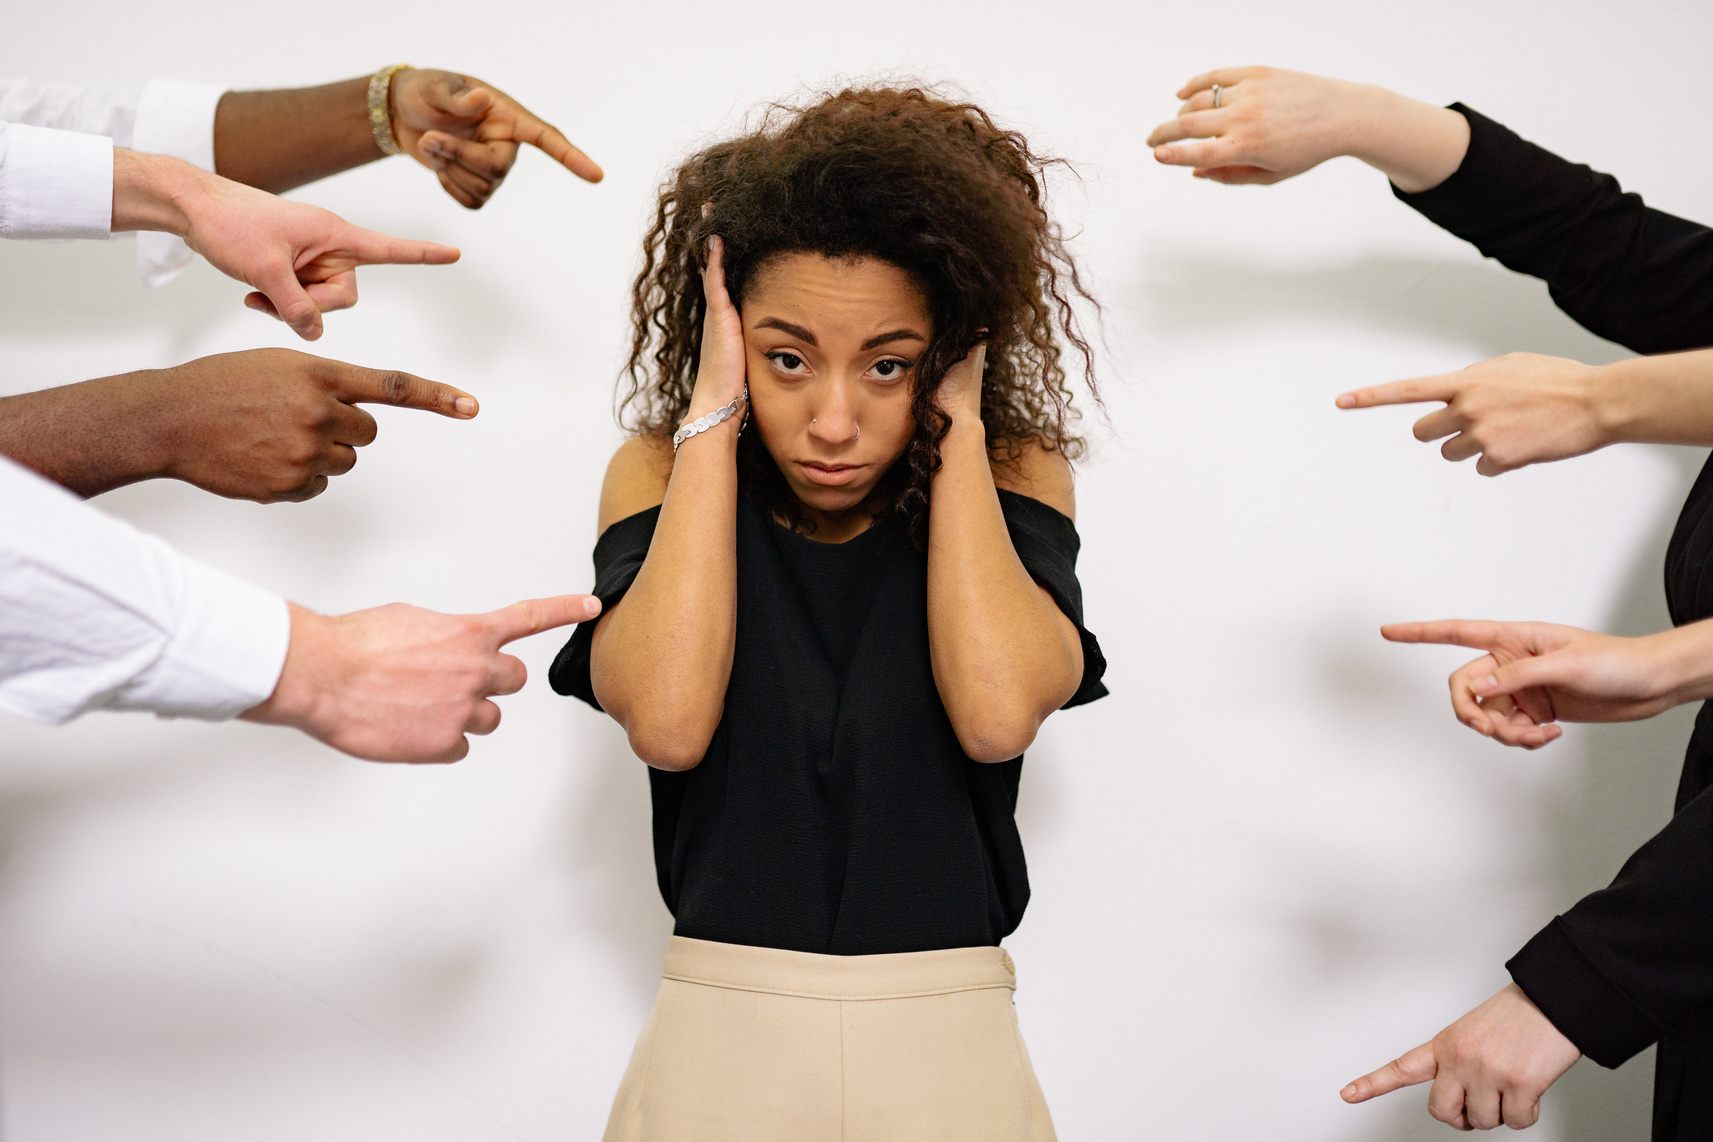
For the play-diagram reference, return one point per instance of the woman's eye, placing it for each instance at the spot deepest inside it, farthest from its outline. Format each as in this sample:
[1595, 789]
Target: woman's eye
[890, 370]
[790, 362]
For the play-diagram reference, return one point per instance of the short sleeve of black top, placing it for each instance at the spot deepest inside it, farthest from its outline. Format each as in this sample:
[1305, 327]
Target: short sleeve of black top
[1634, 962]
[834, 811]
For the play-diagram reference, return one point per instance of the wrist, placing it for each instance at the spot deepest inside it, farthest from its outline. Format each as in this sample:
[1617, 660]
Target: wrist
[1414, 144]
[313, 675]
[1681, 662]
[154, 192]
[1612, 392]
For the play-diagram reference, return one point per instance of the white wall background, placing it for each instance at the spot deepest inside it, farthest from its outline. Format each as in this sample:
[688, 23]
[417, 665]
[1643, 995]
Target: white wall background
[1268, 863]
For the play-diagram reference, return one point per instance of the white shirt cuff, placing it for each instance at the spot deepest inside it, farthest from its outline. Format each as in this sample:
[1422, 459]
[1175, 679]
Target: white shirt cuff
[226, 653]
[173, 118]
[54, 184]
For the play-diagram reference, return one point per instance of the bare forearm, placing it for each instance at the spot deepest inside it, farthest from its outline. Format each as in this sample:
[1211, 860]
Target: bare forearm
[1666, 399]
[1004, 656]
[663, 657]
[1415, 144]
[277, 140]
[89, 437]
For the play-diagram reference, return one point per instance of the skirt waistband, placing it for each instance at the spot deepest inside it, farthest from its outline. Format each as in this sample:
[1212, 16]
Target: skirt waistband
[809, 975]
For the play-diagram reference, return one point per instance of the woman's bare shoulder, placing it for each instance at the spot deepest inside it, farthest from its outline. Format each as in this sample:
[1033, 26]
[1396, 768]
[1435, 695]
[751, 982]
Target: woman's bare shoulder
[1037, 472]
[636, 478]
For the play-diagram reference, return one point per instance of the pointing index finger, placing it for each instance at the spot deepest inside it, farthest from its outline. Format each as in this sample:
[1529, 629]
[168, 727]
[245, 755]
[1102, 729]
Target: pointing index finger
[356, 385]
[1477, 635]
[532, 616]
[548, 138]
[375, 249]
[1418, 1066]
[1413, 391]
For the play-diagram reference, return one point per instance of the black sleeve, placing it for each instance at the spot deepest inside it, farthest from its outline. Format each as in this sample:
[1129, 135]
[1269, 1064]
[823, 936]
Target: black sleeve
[1633, 962]
[1631, 274]
[618, 557]
[1047, 543]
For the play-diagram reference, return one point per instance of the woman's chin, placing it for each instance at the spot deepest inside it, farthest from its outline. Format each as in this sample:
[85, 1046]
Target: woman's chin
[831, 500]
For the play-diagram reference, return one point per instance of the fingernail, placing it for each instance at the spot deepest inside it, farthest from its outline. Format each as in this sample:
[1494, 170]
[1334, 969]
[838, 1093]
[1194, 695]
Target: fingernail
[591, 606]
[1346, 401]
[1491, 682]
[1347, 1091]
[466, 406]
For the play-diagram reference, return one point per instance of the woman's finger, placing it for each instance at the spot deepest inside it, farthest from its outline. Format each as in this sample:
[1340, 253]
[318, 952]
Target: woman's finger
[1239, 175]
[1474, 633]
[1412, 391]
[1460, 448]
[1520, 1110]
[484, 719]
[1445, 1102]
[1440, 422]
[1464, 701]
[1225, 77]
[1417, 1066]
[507, 674]
[1174, 130]
[1209, 153]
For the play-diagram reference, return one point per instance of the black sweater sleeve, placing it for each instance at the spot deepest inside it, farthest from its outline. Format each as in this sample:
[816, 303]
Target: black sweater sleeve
[1633, 962]
[1631, 274]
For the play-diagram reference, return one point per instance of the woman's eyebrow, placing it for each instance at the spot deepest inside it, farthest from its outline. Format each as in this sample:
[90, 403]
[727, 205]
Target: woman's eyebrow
[895, 335]
[785, 326]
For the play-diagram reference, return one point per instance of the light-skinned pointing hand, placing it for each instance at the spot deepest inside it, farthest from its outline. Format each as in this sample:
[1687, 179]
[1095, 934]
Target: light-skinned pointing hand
[399, 683]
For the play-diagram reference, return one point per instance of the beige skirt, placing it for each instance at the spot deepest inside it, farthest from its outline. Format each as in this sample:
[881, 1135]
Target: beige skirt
[760, 1044]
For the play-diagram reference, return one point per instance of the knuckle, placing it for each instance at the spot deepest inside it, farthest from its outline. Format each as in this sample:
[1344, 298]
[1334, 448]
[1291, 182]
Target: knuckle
[395, 386]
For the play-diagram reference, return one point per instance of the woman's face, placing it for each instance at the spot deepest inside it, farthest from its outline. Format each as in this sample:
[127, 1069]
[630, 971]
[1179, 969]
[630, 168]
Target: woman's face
[832, 347]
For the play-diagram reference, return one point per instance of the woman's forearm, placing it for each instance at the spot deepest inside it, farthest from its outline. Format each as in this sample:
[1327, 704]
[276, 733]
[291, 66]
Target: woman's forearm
[1004, 655]
[662, 657]
[1415, 144]
[1666, 399]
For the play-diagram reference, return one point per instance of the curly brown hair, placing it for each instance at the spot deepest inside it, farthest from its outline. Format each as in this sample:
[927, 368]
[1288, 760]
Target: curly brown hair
[904, 175]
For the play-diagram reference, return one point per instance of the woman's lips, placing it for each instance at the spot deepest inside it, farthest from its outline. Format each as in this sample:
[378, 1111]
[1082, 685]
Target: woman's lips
[829, 475]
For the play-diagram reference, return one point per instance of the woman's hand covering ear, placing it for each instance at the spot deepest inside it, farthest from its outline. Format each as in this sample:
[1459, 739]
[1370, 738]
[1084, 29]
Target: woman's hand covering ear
[469, 132]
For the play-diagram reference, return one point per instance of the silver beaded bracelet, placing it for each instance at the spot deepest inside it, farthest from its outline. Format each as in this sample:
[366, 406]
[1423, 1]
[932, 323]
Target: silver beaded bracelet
[703, 423]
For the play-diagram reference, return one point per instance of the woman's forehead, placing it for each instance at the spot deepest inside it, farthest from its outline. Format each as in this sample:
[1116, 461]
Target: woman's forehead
[835, 297]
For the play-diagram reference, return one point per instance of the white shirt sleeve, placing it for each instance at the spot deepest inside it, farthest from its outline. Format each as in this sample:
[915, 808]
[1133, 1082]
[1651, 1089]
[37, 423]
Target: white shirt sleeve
[95, 614]
[167, 117]
[54, 184]
[173, 118]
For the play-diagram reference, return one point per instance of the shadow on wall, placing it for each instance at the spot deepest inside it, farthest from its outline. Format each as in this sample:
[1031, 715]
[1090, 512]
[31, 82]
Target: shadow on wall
[1619, 781]
[609, 846]
[1480, 304]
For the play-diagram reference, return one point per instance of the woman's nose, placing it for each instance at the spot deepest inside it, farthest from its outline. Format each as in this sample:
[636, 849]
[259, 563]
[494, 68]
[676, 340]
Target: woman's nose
[833, 420]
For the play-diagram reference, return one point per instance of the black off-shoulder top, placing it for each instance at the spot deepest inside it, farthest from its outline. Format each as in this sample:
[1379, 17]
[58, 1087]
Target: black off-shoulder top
[834, 811]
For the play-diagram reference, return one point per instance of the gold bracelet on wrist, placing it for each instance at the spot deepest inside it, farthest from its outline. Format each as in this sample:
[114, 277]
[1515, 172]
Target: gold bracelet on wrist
[381, 108]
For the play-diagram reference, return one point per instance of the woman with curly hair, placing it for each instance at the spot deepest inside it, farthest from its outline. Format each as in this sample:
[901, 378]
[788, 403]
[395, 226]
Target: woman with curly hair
[837, 559]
